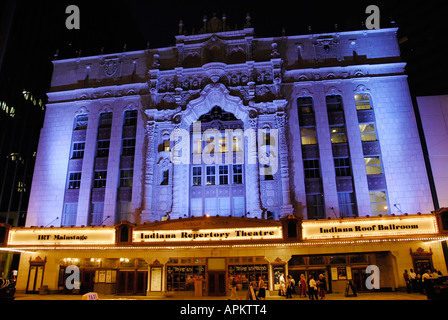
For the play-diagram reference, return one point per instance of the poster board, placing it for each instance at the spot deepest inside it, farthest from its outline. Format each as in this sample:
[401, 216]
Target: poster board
[156, 279]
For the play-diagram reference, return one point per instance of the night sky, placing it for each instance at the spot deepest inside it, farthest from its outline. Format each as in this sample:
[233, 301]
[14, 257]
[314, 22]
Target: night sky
[39, 30]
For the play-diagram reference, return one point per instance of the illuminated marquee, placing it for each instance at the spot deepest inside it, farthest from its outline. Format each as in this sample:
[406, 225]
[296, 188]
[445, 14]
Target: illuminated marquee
[370, 227]
[62, 236]
[264, 233]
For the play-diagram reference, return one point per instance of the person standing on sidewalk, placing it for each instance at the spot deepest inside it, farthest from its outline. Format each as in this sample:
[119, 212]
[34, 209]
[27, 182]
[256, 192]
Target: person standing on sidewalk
[312, 288]
[322, 284]
[413, 280]
[302, 286]
[407, 280]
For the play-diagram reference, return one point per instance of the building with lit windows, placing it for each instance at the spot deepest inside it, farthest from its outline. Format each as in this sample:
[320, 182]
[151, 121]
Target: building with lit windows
[228, 155]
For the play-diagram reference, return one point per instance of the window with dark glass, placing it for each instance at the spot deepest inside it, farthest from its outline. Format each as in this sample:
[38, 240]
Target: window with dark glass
[99, 179]
[78, 150]
[210, 175]
[105, 120]
[126, 177]
[130, 118]
[237, 174]
[305, 105]
[334, 103]
[342, 167]
[312, 168]
[197, 176]
[74, 180]
[103, 148]
[128, 147]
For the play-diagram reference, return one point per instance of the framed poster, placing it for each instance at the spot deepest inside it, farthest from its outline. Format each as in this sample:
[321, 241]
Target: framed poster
[102, 276]
[278, 271]
[342, 273]
[109, 276]
[156, 278]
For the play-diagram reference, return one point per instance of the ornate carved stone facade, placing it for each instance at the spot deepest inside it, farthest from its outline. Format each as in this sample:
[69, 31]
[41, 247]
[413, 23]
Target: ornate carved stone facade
[259, 81]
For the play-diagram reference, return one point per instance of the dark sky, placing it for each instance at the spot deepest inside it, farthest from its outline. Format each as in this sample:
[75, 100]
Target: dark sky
[39, 29]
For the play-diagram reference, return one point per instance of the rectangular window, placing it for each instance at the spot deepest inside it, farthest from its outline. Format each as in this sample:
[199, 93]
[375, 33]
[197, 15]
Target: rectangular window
[373, 165]
[74, 180]
[337, 134]
[342, 167]
[223, 175]
[210, 175]
[311, 168]
[315, 206]
[196, 207]
[238, 206]
[334, 103]
[96, 213]
[105, 120]
[103, 148]
[128, 147]
[78, 150]
[222, 145]
[362, 102]
[197, 144]
[126, 177]
[237, 174]
[197, 176]
[308, 135]
[130, 118]
[347, 205]
[124, 211]
[211, 207]
[69, 214]
[367, 132]
[305, 105]
[237, 142]
[224, 206]
[378, 202]
[99, 179]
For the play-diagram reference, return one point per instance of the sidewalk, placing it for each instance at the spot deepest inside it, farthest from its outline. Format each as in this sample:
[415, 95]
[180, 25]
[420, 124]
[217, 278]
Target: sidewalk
[330, 296]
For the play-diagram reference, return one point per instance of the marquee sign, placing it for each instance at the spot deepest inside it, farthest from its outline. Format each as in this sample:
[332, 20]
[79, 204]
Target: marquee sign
[234, 234]
[369, 227]
[62, 236]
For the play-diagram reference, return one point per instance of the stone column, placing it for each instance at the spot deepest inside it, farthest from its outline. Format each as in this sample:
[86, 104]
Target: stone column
[252, 183]
[151, 131]
[282, 146]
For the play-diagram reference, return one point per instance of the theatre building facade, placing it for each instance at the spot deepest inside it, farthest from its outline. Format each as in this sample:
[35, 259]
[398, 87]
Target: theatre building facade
[228, 155]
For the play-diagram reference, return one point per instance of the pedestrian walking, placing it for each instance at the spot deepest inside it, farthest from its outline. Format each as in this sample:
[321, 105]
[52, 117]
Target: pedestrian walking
[288, 287]
[232, 286]
[312, 288]
[322, 285]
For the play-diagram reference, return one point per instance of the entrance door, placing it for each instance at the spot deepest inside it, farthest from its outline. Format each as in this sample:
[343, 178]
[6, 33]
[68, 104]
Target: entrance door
[87, 281]
[217, 283]
[359, 277]
[141, 282]
[132, 282]
[35, 278]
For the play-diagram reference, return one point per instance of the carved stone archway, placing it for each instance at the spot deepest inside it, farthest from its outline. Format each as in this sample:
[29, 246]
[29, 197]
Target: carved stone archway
[212, 95]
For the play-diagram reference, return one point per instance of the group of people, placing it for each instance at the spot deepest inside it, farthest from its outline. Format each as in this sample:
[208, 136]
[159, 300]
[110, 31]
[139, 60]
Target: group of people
[415, 281]
[256, 289]
[315, 288]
